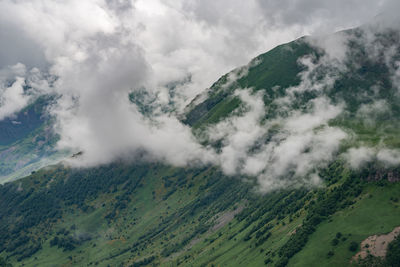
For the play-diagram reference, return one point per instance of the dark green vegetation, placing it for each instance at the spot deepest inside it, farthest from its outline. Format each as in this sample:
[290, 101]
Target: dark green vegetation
[393, 253]
[3, 263]
[153, 214]
[126, 205]
[150, 214]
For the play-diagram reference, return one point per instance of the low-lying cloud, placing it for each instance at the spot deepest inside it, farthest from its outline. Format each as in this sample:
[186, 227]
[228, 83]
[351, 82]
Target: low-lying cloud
[93, 54]
[279, 151]
[361, 156]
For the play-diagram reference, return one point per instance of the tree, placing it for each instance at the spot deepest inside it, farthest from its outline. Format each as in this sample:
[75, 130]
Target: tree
[353, 246]
[393, 253]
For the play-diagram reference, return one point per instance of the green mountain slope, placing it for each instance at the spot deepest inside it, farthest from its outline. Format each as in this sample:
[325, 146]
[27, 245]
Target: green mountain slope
[277, 67]
[138, 214]
[359, 80]
[146, 214]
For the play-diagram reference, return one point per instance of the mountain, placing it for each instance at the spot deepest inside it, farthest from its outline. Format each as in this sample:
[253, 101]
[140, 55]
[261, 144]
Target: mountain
[152, 214]
[279, 70]
[27, 141]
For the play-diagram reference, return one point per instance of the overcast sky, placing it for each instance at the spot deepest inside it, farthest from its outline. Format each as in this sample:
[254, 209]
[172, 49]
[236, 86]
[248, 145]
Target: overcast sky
[190, 35]
[94, 52]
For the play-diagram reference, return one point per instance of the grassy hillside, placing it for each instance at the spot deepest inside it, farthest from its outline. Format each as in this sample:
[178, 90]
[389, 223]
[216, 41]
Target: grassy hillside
[276, 68]
[360, 82]
[135, 215]
[148, 214]
[111, 211]
[374, 212]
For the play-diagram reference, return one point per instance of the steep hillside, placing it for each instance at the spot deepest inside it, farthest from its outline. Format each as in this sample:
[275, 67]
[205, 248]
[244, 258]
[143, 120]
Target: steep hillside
[148, 214]
[362, 77]
[153, 214]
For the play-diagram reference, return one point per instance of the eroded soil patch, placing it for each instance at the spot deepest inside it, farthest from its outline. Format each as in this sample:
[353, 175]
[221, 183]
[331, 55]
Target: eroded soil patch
[376, 245]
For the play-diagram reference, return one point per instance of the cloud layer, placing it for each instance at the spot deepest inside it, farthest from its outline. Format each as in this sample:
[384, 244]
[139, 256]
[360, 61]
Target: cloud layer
[93, 53]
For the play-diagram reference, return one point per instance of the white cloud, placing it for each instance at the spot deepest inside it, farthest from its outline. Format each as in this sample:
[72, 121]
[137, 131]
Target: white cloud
[13, 98]
[94, 53]
[239, 133]
[370, 113]
[390, 157]
[300, 144]
[304, 145]
[17, 88]
[357, 157]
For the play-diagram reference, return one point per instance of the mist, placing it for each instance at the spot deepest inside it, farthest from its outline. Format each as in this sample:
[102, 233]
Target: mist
[93, 54]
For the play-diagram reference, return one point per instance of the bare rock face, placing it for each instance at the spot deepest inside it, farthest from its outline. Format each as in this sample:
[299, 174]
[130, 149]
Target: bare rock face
[391, 175]
[376, 245]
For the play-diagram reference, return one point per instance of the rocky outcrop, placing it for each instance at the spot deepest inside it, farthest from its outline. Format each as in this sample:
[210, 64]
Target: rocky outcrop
[376, 245]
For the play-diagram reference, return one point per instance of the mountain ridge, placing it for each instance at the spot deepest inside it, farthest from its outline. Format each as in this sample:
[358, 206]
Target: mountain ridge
[150, 214]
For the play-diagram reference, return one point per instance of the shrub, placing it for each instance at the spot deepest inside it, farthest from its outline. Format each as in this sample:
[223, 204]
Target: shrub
[353, 246]
[335, 241]
[393, 253]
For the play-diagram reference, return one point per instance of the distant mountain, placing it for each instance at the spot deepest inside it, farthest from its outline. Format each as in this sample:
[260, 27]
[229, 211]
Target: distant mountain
[27, 141]
[148, 214]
